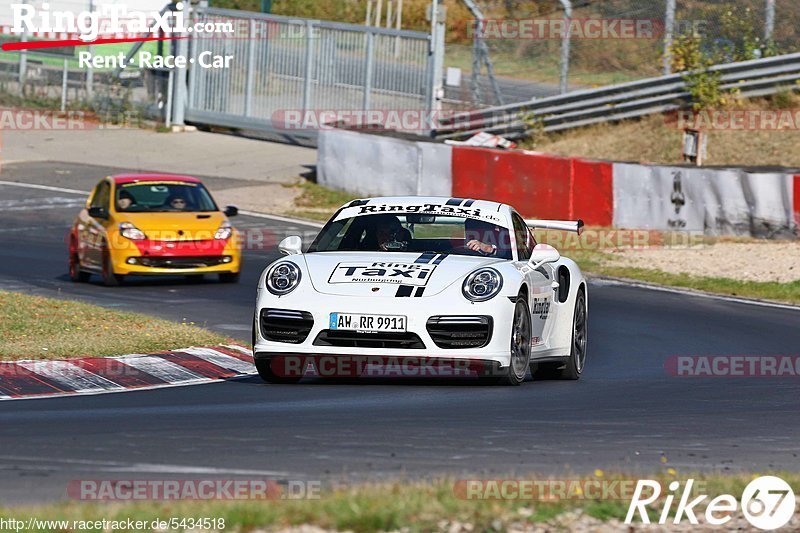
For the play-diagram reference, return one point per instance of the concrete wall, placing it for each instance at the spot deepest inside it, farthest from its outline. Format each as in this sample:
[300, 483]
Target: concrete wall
[377, 165]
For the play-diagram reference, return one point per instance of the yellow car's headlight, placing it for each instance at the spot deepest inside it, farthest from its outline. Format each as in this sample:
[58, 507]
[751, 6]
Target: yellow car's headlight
[129, 231]
[224, 231]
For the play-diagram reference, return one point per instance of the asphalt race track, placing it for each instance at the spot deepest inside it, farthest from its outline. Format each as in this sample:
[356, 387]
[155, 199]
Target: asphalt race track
[626, 413]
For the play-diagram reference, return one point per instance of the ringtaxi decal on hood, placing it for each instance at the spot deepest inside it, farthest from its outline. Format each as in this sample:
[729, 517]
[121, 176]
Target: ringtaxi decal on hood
[382, 272]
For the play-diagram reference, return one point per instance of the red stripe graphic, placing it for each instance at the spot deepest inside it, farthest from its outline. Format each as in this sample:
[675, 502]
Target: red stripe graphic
[39, 45]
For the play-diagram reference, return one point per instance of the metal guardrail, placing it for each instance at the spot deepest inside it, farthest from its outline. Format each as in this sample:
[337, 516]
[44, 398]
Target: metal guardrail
[616, 102]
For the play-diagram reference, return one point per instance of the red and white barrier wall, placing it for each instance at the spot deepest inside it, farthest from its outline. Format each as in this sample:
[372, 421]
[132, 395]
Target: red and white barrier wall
[716, 201]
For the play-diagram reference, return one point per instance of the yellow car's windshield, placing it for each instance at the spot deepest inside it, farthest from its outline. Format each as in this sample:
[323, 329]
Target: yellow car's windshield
[163, 197]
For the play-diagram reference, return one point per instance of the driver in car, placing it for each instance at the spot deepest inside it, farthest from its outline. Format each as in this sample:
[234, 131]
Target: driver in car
[388, 233]
[482, 237]
[125, 200]
[177, 202]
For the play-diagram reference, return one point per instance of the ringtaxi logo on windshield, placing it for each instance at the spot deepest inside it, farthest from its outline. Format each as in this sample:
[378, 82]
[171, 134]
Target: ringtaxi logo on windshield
[767, 503]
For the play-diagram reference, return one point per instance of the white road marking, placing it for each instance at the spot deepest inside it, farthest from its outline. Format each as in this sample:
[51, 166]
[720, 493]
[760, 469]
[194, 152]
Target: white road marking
[161, 368]
[112, 466]
[74, 378]
[690, 292]
[36, 202]
[279, 218]
[33, 228]
[43, 187]
[221, 359]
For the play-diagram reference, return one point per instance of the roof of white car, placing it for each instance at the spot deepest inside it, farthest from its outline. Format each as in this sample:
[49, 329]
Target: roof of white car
[483, 205]
[425, 205]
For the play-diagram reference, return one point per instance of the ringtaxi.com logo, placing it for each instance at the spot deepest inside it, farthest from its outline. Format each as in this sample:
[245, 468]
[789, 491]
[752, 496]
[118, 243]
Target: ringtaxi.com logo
[767, 503]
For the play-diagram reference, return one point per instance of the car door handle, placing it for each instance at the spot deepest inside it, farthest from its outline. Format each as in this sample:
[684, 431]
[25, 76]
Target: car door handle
[555, 285]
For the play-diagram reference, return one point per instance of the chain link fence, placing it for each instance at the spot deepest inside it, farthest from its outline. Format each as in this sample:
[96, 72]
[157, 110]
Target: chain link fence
[608, 42]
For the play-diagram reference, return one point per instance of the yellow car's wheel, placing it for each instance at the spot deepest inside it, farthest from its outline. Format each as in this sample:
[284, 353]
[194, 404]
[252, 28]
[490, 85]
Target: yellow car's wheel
[109, 278]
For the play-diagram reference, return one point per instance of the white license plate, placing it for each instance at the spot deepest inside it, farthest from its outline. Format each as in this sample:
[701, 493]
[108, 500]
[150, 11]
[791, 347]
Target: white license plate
[367, 323]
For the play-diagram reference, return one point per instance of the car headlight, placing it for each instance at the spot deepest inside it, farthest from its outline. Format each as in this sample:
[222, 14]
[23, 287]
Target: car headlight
[282, 278]
[482, 285]
[224, 231]
[129, 231]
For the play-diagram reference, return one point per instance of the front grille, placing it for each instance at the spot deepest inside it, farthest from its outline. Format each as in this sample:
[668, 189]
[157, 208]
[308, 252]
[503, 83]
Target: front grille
[283, 325]
[183, 262]
[459, 332]
[354, 339]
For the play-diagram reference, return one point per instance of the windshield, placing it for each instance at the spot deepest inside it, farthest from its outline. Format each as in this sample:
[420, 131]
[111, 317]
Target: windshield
[163, 196]
[414, 233]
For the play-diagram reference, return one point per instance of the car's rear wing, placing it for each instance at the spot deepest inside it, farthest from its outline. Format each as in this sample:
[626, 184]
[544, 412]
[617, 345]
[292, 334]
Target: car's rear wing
[560, 225]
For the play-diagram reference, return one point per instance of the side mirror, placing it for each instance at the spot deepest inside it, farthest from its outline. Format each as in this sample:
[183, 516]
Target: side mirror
[231, 211]
[98, 212]
[543, 253]
[291, 245]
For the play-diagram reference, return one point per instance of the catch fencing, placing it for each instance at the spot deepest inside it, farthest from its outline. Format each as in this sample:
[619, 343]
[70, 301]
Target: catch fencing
[283, 68]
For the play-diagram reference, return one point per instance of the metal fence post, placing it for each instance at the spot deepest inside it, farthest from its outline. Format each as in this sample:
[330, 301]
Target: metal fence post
[308, 72]
[562, 82]
[669, 28]
[89, 69]
[64, 79]
[769, 21]
[179, 103]
[368, 68]
[251, 67]
[23, 65]
[436, 79]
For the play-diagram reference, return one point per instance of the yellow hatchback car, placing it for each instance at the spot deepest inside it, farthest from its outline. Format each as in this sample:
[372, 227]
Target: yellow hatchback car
[144, 224]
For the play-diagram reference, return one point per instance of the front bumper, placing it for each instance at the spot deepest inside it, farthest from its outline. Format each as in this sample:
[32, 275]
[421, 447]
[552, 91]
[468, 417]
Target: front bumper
[182, 259]
[418, 344]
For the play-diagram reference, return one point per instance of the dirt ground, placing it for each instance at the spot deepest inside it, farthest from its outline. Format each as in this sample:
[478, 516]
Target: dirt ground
[762, 261]
[263, 198]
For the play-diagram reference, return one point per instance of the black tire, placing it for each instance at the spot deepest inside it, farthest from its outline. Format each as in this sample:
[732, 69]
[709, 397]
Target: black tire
[265, 371]
[229, 277]
[572, 368]
[75, 273]
[520, 345]
[109, 278]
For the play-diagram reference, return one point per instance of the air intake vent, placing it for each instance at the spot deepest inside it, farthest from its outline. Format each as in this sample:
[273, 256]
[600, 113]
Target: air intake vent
[283, 325]
[354, 339]
[460, 332]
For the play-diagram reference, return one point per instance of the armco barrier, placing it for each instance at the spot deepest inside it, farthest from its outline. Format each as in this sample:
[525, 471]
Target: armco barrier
[378, 165]
[538, 185]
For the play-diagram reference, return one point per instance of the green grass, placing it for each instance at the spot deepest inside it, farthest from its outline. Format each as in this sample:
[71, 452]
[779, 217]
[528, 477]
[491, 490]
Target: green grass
[408, 506]
[111, 49]
[316, 202]
[34, 327]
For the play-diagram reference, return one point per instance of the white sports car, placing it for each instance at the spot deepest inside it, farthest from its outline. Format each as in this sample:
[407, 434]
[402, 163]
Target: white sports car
[423, 279]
